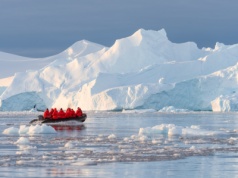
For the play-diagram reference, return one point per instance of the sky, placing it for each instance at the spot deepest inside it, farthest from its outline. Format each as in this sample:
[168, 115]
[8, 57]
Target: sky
[41, 28]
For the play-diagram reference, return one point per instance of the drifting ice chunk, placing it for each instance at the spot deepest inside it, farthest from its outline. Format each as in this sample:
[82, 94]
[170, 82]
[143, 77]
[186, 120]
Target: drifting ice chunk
[171, 130]
[11, 131]
[41, 129]
[112, 137]
[32, 130]
[69, 144]
[22, 141]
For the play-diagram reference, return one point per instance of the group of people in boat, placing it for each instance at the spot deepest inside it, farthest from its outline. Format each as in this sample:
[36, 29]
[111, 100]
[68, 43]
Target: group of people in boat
[61, 114]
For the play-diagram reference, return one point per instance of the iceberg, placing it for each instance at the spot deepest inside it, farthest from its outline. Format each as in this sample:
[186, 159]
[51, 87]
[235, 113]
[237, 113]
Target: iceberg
[143, 71]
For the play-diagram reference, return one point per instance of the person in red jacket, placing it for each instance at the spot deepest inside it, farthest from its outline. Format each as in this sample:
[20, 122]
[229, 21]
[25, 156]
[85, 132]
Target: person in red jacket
[79, 112]
[51, 113]
[72, 113]
[61, 114]
[47, 114]
[55, 114]
[68, 113]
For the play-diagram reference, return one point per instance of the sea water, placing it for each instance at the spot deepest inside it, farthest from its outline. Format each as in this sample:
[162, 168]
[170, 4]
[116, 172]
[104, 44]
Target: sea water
[121, 144]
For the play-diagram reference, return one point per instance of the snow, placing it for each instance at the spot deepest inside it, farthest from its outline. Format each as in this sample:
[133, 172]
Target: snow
[143, 71]
[5, 82]
[9, 61]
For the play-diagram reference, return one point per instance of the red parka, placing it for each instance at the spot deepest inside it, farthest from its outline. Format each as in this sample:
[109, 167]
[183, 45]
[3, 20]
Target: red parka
[47, 114]
[79, 112]
[61, 114]
[73, 113]
[55, 114]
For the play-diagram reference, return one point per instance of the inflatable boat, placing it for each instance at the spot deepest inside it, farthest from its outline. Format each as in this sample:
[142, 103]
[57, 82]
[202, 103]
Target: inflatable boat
[42, 120]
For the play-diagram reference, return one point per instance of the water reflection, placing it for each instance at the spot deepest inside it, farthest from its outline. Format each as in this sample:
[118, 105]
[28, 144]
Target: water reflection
[60, 127]
[64, 172]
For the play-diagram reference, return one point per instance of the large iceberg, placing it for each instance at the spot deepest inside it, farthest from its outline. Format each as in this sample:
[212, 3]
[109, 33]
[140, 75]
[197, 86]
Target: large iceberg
[142, 71]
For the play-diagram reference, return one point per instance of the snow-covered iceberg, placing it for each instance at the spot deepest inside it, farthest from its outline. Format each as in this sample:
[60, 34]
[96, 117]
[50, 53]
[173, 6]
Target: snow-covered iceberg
[142, 71]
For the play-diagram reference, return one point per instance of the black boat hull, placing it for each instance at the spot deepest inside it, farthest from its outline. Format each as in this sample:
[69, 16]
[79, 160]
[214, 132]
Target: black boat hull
[41, 120]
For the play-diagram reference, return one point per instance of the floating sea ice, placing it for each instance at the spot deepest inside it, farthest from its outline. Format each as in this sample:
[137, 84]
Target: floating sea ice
[233, 138]
[112, 137]
[23, 129]
[192, 148]
[134, 137]
[143, 138]
[22, 141]
[100, 138]
[72, 157]
[195, 127]
[175, 130]
[157, 141]
[11, 131]
[197, 131]
[20, 162]
[171, 130]
[26, 149]
[41, 129]
[84, 163]
[126, 139]
[158, 129]
[69, 144]
[33, 129]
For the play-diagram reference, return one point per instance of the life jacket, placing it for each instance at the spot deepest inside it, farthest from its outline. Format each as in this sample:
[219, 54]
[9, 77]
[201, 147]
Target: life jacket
[79, 112]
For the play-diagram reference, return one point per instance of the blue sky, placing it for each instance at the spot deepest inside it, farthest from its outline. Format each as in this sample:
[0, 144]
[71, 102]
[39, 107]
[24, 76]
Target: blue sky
[40, 28]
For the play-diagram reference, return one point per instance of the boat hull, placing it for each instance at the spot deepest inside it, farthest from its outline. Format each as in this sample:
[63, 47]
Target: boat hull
[42, 120]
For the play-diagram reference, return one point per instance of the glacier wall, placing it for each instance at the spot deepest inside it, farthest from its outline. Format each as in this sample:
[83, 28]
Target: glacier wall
[23, 102]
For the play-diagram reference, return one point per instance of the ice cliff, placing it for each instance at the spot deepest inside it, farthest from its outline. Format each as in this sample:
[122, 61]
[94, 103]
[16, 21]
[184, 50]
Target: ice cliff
[142, 71]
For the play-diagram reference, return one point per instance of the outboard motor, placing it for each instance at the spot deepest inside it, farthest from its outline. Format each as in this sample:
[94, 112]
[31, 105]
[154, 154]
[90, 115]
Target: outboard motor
[40, 117]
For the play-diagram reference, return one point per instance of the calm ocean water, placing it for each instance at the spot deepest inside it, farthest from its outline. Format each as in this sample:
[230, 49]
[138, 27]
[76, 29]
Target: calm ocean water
[114, 144]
